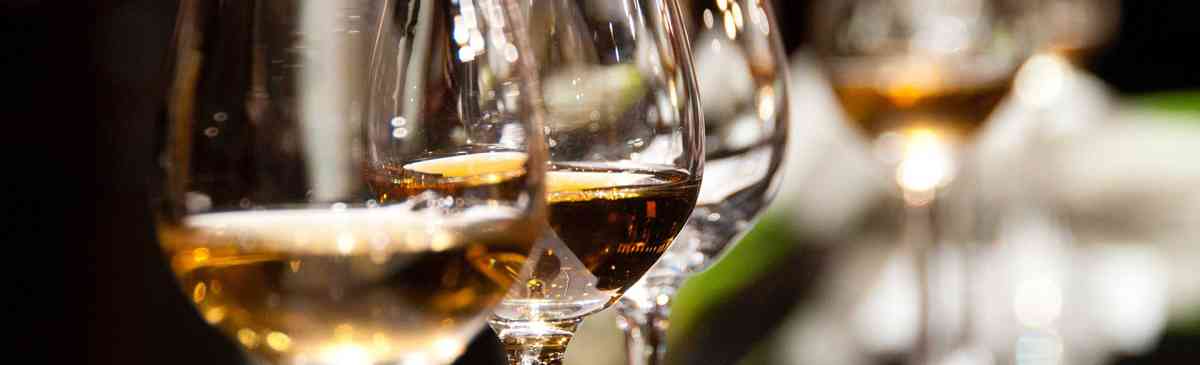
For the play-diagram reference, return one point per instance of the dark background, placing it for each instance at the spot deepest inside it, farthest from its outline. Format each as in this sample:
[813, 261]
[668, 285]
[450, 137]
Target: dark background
[85, 82]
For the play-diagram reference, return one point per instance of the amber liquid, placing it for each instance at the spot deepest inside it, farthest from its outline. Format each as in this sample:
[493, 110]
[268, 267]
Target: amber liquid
[957, 111]
[328, 286]
[616, 222]
[619, 232]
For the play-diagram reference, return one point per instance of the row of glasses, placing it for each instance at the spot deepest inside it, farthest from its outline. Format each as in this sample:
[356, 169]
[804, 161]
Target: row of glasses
[742, 77]
[365, 181]
[368, 181]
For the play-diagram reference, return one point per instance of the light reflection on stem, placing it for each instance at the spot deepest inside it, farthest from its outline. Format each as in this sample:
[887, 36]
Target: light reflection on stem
[644, 317]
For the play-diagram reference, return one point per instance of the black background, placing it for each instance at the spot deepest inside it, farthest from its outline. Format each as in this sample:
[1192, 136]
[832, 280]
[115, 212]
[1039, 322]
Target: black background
[84, 82]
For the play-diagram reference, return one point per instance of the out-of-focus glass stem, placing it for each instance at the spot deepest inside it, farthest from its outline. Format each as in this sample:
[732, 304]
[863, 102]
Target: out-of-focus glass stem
[535, 343]
[928, 164]
[920, 237]
[644, 317]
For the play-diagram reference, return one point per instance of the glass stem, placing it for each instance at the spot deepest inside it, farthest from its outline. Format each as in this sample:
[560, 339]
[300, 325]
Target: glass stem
[919, 235]
[533, 342]
[942, 257]
[644, 317]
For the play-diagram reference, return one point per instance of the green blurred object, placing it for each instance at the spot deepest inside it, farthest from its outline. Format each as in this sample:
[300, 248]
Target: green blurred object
[1187, 102]
[1178, 103]
[581, 96]
[757, 253]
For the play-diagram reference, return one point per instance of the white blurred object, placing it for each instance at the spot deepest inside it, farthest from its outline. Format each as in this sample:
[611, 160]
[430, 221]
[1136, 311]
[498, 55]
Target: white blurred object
[829, 178]
[888, 317]
[722, 91]
[1125, 179]
[597, 341]
[1127, 294]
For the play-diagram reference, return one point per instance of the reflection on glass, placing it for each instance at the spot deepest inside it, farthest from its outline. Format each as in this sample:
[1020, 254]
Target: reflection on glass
[626, 148]
[742, 74]
[286, 209]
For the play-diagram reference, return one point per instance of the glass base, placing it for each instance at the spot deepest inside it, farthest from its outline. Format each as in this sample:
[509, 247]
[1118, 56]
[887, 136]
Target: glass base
[535, 343]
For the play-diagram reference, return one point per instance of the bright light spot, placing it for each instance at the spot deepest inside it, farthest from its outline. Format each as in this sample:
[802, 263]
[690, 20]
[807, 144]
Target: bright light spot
[200, 255]
[673, 93]
[926, 163]
[247, 337]
[510, 52]
[461, 32]
[214, 315]
[441, 241]
[399, 133]
[722, 4]
[466, 54]
[399, 122]
[708, 18]
[447, 348]
[198, 293]
[417, 358]
[737, 16]
[662, 299]
[730, 27]
[1037, 302]
[346, 354]
[1041, 80]
[476, 41]
[346, 243]
[766, 103]
[279, 341]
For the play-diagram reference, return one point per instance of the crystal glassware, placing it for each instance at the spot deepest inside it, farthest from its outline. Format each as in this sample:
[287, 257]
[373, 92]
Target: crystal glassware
[626, 146]
[742, 75]
[315, 203]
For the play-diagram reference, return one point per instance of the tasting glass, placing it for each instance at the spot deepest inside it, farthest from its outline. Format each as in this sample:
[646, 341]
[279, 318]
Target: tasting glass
[298, 206]
[742, 76]
[919, 79]
[625, 140]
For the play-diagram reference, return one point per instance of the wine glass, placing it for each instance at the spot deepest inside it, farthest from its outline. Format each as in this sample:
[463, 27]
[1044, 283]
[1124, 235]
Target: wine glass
[1072, 29]
[350, 182]
[742, 76]
[919, 78]
[626, 148]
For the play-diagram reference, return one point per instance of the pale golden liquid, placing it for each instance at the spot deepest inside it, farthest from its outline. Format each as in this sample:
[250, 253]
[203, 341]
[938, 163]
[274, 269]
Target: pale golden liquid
[357, 285]
[958, 111]
[615, 222]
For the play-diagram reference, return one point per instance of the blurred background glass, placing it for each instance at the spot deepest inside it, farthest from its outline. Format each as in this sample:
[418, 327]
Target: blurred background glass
[1090, 232]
